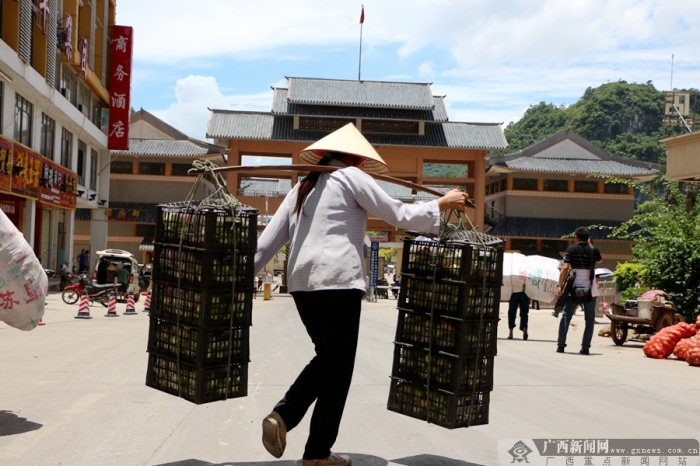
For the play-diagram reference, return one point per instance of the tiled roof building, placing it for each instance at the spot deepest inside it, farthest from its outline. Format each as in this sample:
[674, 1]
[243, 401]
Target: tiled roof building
[407, 124]
[537, 197]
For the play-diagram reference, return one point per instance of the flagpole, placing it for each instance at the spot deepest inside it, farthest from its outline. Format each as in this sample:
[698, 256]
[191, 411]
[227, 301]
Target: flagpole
[359, 67]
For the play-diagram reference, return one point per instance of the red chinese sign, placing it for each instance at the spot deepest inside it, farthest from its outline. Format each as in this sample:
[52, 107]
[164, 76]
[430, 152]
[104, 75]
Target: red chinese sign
[58, 185]
[120, 88]
[5, 165]
[26, 171]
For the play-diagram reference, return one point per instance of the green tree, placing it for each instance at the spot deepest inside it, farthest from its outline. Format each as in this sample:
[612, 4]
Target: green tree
[666, 231]
[538, 123]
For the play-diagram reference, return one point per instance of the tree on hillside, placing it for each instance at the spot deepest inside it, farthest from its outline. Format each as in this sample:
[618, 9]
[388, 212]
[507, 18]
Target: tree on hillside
[625, 119]
[537, 124]
[613, 109]
[666, 231]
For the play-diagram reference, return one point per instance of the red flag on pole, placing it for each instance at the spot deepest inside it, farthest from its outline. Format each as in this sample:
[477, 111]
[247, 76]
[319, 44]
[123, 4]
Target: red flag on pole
[362, 15]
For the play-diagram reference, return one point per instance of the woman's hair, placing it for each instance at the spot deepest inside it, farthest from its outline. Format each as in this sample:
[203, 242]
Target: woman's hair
[308, 183]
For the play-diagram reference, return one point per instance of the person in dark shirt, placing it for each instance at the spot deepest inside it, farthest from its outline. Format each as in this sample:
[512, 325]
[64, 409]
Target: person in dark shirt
[581, 257]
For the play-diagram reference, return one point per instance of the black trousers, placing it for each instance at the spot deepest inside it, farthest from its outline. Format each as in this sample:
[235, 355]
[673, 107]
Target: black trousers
[332, 320]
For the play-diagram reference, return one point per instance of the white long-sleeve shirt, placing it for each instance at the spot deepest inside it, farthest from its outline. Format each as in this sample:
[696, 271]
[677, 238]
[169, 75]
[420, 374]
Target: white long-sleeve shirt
[326, 239]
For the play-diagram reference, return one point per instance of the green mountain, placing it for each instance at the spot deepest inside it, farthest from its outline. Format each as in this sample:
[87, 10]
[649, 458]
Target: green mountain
[626, 119]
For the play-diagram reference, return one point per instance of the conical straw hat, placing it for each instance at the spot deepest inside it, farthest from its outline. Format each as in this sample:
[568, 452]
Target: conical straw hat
[347, 140]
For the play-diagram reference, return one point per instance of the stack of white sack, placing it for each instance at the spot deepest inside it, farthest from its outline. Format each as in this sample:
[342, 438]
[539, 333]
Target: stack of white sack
[23, 281]
[536, 275]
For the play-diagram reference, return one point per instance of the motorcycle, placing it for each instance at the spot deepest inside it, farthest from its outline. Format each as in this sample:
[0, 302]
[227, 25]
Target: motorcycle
[95, 293]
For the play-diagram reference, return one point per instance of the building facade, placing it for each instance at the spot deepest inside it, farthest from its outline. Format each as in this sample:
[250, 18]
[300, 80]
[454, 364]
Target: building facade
[406, 123]
[537, 197]
[154, 170]
[54, 97]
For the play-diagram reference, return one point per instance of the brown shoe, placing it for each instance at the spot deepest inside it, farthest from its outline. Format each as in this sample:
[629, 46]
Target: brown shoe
[274, 436]
[333, 460]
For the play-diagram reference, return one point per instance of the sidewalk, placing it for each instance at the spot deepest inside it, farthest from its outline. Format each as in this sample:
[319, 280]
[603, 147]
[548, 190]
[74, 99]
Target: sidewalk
[73, 393]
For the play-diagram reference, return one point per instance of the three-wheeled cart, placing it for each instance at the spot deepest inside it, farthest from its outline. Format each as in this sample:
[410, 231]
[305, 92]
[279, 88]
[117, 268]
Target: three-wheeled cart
[622, 319]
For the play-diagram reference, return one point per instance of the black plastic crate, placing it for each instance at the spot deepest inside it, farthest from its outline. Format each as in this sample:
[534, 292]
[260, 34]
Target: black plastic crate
[196, 384]
[471, 263]
[211, 228]
[201, 307]
[448, 297]
[437, 406]
[198, 267]
[202, 347]
[442, 333]
[446, 371]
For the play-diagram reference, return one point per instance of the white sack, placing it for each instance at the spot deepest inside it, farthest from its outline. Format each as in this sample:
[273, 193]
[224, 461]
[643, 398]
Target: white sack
[23, 282]
[506, 287]
[542, 278]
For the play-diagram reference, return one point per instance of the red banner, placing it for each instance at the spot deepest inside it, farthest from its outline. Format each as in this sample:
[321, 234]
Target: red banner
[5, 165]
[26, 171]
[58, 185]
[120, 87]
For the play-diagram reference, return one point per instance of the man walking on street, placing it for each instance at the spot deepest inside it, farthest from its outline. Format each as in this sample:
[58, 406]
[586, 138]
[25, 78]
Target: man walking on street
[581, 257]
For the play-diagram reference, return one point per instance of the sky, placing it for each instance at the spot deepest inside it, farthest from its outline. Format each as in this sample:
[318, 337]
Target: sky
[492, 59]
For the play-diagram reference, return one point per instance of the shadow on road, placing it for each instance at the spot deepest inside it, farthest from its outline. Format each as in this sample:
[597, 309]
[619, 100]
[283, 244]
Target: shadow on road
[357, 458]
[11, 424]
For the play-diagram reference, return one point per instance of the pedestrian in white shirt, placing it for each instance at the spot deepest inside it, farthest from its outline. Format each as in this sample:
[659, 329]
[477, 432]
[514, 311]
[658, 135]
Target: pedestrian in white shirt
[324, 220]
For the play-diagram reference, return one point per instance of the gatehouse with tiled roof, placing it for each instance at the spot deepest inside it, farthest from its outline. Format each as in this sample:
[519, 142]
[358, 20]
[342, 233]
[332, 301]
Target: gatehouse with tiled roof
[406, 122]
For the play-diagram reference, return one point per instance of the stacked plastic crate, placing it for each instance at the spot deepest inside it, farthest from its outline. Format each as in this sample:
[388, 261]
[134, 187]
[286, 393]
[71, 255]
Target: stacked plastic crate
[446, 333]
[202, 299]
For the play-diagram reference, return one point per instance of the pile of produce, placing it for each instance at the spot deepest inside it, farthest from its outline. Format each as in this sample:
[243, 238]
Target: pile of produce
[682, 340]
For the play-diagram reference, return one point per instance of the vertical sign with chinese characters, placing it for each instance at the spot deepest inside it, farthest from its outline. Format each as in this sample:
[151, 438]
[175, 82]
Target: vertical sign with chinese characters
[5, 165]
[84, 56]
[120, 88]
[374, 264]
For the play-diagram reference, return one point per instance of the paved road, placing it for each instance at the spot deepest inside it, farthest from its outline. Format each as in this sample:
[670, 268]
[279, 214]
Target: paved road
[72, 392]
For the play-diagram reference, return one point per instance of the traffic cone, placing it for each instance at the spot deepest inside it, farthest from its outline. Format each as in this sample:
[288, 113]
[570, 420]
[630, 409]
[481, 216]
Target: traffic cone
[84, 309]
[147, 304]
[112, 307]
[41, 321]
[130, 309]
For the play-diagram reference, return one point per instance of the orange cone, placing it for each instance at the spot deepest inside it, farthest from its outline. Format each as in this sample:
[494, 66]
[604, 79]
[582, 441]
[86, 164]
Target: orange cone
[147, 304]
[130, 309]
[112, 307]
[84, 309]
[41, 321]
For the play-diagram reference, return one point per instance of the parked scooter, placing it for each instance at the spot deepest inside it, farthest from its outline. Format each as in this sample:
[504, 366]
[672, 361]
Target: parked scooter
[95, 293]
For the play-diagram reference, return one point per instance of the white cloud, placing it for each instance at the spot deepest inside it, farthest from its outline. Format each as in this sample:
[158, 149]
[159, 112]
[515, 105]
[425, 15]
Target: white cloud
[194, 95]
[492, 59]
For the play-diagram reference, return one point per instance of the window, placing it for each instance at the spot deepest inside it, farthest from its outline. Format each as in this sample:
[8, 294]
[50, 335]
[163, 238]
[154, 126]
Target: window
[525, 184]
[23, 121]
[556, 185]
[145, 230]
[82, 148]
[151, 168]
[524, 245]
[66, 147]
[93, 169]
[554, 248]
[445, 170]
[588, 186]
[615, 188]
[121, 167]
[180, 169]
[48, 134]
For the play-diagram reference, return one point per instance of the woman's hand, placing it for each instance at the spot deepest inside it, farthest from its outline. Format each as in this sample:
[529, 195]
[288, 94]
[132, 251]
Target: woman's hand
[454, 199]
